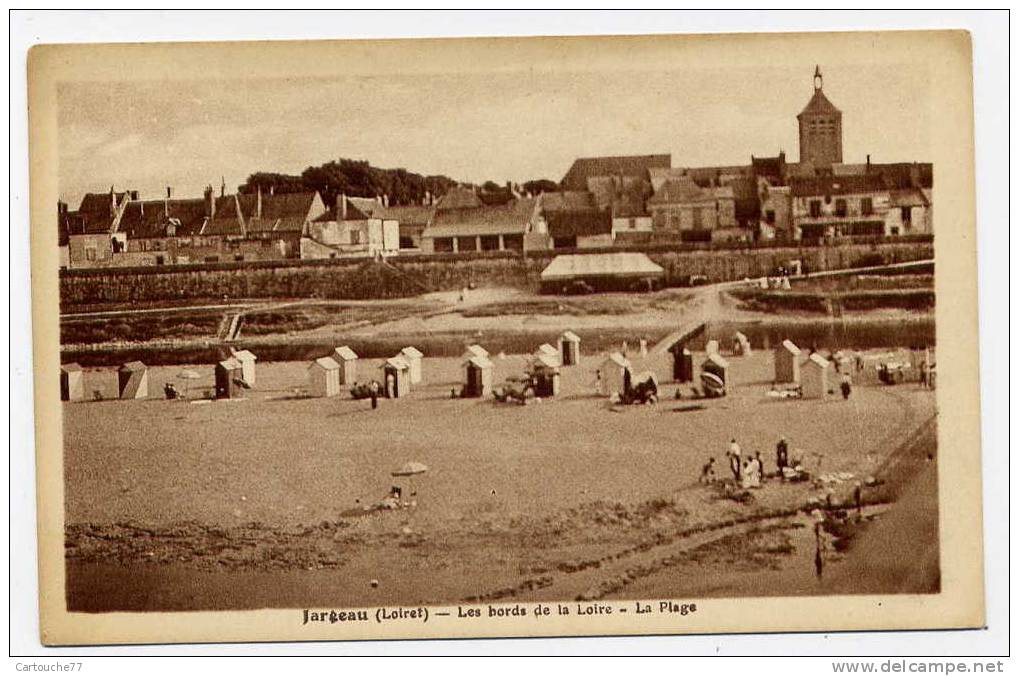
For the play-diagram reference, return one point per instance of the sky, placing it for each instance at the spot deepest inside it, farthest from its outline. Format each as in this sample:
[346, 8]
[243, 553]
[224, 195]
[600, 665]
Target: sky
[506, 126]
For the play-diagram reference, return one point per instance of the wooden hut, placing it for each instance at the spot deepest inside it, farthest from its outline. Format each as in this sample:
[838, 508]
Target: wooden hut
[814, 377]
[549, 351]
[396, 376]
[787, 362]
[133, 380]
[72, 382]
[569, 349]
[229, 376]
[324, 377]
[247, 360]
[474, 351]
[545, 374]
[682, 363]
[616, 374]
[479, 375]
[413, 356]
[717, 366]
[347, 359]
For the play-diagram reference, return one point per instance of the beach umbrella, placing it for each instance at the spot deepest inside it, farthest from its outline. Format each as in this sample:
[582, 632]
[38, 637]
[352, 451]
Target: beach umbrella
[410, 470]
[188, 375]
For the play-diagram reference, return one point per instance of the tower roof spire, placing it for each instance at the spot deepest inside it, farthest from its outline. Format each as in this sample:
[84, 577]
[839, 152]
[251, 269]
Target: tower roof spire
[818, 80]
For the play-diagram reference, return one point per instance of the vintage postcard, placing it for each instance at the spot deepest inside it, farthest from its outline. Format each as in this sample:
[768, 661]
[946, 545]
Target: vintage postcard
[505, 337]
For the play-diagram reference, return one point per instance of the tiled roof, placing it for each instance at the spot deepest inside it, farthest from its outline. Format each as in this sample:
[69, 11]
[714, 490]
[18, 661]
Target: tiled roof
[511, 217]
[819, 105]
[679, 191]
[626, 165]
[410, 214]
[579, 223]
[569, 200]
[836, 185]
[459, 197]
[150, 218]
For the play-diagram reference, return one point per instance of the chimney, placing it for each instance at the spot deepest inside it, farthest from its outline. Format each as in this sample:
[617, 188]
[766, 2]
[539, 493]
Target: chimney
[385, 200]
[341, 207]
[868, 163]
[222, 186]
[113, 203]
[166, 202]
[134, 195]
[210, 203]
[258, 203]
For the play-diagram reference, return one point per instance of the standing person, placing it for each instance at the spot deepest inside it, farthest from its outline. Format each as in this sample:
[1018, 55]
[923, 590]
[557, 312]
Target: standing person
[735, 454]
[373, 392]
[760, 465]
[818, 551]
[923, 374]
[858, 499]
[782, 457]
[847, 386]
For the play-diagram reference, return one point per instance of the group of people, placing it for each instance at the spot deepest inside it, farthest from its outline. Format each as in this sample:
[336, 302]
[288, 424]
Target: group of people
[747, 472]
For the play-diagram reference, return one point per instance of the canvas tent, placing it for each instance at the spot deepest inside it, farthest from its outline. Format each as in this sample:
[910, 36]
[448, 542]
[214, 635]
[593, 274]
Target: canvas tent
[347, 359]
[569, 349]
[413, 356]
[479, 375]
[615, 374]
[324, 377]
[602, 272]
[396, 377]
[72, 382]
[247, 360]
[741, 344]
[717, 366]
[229, 376]
[814, 377]
[787, 362]
[133, 380]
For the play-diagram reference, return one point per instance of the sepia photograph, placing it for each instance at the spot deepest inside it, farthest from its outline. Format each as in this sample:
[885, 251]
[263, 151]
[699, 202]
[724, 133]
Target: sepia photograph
[548, 336]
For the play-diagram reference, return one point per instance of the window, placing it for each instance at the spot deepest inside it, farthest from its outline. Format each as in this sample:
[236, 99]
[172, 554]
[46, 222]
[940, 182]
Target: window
[867, 206]
[633, 224]
[490, 243]
[513, 242]
[355, 236]
[815, 208]
[569, 242]
[90, 253]
[443, 244]
[466, 244]
[238, 257]
[907, 214]
[769, 216]
[406, 242]
[841, 209]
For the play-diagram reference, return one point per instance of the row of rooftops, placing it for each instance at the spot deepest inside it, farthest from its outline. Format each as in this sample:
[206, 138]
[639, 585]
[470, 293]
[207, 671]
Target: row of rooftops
[594, 191]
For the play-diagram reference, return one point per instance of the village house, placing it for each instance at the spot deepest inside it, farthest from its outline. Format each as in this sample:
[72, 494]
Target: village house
[825, 207]
[682, 208]
[574, 221]
[412, 221]
[121, 229]
[463, 223]
[354, 226]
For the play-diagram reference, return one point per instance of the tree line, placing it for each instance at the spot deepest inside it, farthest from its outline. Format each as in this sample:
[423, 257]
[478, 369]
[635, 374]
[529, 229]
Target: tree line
[358, 178]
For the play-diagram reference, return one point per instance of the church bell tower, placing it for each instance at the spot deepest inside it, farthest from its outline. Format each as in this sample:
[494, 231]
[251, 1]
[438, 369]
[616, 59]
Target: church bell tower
[820, 128]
